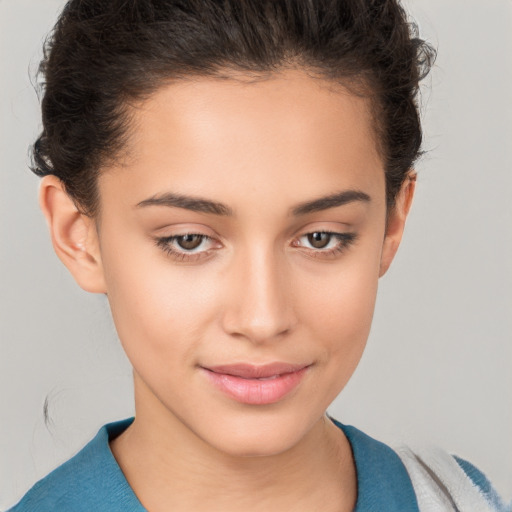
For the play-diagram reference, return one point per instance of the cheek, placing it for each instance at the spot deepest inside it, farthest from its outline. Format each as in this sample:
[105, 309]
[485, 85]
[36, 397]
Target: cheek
[342, 315]
[342, 298]
[159, 309]
[339, 310]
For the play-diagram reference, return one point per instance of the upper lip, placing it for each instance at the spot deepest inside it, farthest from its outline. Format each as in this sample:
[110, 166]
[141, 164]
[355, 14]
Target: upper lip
[251, 371]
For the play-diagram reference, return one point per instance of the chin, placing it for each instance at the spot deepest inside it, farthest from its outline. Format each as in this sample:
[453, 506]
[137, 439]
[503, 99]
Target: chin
[259, 433]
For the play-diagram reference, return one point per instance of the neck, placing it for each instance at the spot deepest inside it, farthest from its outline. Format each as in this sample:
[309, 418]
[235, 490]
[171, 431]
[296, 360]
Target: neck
[170, 468]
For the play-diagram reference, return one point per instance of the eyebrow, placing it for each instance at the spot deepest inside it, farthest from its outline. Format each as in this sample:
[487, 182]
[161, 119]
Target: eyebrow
[196, 204]
[330, 201]
[202, 205]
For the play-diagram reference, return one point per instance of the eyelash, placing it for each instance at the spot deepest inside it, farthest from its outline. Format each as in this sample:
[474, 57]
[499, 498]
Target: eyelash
[165, 244]
[345, 240]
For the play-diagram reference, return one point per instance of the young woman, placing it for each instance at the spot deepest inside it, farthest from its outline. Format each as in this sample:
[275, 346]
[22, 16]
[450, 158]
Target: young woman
[235, 177]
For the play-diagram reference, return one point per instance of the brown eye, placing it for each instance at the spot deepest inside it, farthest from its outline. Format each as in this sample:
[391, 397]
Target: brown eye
[319, 240]
[189, 242]
[190, 247]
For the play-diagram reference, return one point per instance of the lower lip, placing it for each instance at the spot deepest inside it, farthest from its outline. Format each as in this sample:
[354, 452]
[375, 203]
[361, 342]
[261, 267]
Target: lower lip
[256, 391]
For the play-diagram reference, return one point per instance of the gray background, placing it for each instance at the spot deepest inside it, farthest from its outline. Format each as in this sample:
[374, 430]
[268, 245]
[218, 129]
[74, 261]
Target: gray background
[437, 367]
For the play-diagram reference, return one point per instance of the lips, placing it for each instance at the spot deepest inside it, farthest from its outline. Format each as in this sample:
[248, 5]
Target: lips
[256, 385]
[249, 371]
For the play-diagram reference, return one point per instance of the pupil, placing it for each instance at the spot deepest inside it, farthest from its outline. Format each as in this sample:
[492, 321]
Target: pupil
[189, 241]
[319, 240]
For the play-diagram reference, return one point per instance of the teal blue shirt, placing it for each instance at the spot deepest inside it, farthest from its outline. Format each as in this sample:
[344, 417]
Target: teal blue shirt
[93, 481]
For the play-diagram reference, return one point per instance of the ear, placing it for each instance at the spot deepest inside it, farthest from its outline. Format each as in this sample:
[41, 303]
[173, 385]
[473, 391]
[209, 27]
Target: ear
[74, 235]
[396, 222]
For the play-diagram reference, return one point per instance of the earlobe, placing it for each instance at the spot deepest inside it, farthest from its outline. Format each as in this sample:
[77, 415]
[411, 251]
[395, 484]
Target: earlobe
[74, 235]
[396, 222]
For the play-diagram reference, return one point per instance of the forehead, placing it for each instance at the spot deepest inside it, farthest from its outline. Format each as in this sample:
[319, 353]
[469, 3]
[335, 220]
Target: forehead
[291, 129]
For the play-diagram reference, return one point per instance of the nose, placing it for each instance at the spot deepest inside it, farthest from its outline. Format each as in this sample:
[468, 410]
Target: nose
[259, 306]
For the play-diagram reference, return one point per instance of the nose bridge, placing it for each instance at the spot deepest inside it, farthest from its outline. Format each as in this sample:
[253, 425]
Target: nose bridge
[259, 307]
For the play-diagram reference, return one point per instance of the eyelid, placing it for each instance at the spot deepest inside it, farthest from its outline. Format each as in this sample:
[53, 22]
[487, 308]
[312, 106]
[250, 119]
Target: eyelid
[184, 228]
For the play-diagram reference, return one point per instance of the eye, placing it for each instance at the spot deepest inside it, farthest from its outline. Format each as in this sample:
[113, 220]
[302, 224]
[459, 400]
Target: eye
[319, 240]
[189, 242]
[186, 247]
[326, 243]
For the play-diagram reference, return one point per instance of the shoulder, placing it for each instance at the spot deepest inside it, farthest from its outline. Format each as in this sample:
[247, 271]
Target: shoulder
[382, 479]
[418, 478]
[445, 482]
[91, 480]
[484, 485]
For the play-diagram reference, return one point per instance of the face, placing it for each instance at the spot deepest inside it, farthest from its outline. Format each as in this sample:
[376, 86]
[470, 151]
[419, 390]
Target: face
[241, 244]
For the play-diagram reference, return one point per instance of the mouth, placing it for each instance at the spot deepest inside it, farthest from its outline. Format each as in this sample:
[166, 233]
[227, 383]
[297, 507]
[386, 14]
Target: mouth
[256, 385]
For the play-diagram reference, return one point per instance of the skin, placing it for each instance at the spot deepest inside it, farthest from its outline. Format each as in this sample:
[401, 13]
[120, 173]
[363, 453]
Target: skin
[258, 291]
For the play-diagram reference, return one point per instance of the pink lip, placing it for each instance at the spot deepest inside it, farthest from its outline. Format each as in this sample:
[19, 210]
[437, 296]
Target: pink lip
[256, 385]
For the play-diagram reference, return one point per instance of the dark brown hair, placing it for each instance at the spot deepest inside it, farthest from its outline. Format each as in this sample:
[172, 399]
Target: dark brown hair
[104, 54]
